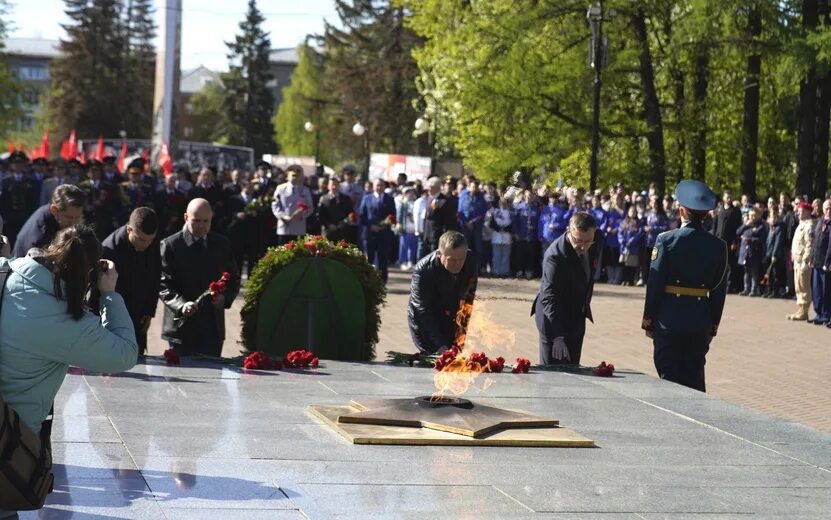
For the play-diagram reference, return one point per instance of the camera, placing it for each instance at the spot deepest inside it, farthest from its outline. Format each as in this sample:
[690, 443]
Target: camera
[103, 266]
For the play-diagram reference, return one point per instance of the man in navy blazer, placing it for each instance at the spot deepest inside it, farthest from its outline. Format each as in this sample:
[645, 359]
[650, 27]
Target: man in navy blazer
[377, 216]
[564, 300]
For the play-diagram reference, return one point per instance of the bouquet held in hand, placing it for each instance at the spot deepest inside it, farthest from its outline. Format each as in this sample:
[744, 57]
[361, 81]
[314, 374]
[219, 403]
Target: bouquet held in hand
[214, 290]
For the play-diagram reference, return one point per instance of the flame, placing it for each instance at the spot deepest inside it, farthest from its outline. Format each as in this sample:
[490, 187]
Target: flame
[475, 331]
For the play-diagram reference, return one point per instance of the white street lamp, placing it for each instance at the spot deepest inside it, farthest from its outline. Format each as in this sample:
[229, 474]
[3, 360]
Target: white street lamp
[422, 125]
[309, 126]
[358, 129]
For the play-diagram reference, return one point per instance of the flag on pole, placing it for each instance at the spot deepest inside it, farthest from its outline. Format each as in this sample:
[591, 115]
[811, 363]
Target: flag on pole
[10, 145]
[122, 157]
[164, 161]
[99, 151]
[72, 149]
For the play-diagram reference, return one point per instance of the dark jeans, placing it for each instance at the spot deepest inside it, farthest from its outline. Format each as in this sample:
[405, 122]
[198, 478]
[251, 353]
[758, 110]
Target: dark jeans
[821, 293]
[377, 250]
[680, 358]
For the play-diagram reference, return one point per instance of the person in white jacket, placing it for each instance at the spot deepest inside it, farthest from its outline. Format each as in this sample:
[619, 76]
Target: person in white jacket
[500, 220]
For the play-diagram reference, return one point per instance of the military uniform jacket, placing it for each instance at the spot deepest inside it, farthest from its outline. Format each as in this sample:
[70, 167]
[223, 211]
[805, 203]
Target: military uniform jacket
[688, 257]
[103, 207]
[18, 199]
[803, 241]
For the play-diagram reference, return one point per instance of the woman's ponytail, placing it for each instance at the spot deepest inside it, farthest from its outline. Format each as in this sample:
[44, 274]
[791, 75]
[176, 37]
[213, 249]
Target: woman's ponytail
[73, 257]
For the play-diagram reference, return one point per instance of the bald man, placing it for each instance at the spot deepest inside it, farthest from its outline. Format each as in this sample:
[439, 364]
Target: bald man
[191, 259]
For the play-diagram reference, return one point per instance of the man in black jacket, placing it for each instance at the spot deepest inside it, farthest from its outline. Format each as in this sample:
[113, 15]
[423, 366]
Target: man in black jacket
[728, 220]
[334, 210]
[564, 300]
[65, 210]
[443, 282]
[134, 250]
[440, 215]
[191, 259]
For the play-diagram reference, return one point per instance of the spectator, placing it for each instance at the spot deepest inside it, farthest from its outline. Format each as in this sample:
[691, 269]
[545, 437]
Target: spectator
[727, 221]
[774, 262]
[553, 223]
[611, 246]
[501, 223]
[440, 215]
[51, 183]
[334, 210]
[44, 327]
[631, 239]
[471, 215]
[408, 242]
[376, 210]
[801, 250]
[821, 262]
[292, 205]
[656, 222]
[753, 236]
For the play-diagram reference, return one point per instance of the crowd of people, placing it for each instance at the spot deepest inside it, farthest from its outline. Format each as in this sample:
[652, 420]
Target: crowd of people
[399, 222]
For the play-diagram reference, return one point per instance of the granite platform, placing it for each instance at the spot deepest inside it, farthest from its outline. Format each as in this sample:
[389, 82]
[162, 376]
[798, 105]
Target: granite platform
[206, 441]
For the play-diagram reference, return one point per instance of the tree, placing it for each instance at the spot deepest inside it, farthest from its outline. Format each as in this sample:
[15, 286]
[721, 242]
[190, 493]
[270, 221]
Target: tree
[103, 79]
[370, 72]
[9, 87]
[210, 123]
[249, 104]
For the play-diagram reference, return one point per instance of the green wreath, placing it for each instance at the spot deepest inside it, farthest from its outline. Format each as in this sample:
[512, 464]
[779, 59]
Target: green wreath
[277, 258]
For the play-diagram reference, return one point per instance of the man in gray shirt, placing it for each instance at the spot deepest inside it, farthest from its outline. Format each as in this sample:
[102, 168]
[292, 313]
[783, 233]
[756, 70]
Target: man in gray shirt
[292, 205]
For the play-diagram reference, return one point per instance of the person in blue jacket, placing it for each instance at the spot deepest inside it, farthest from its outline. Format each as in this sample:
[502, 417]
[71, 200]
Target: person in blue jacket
[471, 216]
[753, 235]
[553, 222]
[377, 218]
[611, 246]
[655, 223]
[631, 239]
[45, 326]
[526, 220]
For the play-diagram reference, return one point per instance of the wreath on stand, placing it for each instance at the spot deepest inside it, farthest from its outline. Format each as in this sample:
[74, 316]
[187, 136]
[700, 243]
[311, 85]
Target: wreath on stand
[278, 258]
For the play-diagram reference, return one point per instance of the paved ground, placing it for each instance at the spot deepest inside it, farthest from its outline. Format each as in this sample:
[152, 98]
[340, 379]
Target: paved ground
[759, 359]
[209, 442]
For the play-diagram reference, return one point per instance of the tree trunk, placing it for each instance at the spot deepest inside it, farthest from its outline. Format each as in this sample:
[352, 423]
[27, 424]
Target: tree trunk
[680, 111]
[750, 119]
[701, 81]
[652, 109]
[806, 137]
[822, 119]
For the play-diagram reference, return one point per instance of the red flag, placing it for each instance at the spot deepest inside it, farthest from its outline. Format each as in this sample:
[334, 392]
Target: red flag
[99, 151]
[72, 149]
[65, 150]
[164, 160]
[83, 157]
[44, 145]
[10, 145]
[122, 156]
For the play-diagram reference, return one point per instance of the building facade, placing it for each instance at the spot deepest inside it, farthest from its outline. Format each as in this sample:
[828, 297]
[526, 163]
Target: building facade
[28, 60]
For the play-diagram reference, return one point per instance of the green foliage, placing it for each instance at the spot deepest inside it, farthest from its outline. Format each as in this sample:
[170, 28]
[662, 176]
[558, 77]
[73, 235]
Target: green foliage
[103, 81]
[277, 258]
[510, 84]
[303, 100]
[9, 87]
[249, 103]
[210, 118]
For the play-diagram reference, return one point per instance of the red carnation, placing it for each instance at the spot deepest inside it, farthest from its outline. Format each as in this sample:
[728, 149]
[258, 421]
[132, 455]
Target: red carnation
[225, 277]
[522, 366]
[172, 357]
[289, 244]
[343, 243]
[353, 217]
[303, 206]
[604, 369]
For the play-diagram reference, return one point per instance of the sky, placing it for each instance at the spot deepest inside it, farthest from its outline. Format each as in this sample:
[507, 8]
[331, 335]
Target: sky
[206, 24]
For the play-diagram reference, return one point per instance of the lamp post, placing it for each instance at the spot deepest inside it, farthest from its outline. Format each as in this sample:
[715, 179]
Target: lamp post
[310, 127]
[596, 61]
[360, 130]
[422, 125]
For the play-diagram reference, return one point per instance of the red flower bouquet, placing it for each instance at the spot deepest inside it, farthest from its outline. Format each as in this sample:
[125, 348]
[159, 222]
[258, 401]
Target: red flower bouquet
[522, 366]
[604, 369]
[300, 359]
[260, 361]
[303, 206]
[352, 218]
[171, 357]
[477, 362]
[214, 290]
[389, 221]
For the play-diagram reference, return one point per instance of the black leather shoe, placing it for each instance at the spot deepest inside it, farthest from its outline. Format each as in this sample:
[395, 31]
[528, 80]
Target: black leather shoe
[820, 322]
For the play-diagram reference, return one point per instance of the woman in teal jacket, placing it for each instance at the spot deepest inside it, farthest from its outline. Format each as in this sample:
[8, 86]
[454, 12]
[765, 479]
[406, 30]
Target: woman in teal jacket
[44, 327]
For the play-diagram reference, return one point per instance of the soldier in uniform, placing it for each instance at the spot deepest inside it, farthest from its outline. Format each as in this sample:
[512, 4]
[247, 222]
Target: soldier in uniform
[801, 247]
[134, 192]
[59, 169]
[18, 198]
[686, 290]
[103, 207]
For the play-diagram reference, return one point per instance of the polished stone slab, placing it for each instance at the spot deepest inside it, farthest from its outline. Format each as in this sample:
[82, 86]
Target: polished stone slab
[213, 441]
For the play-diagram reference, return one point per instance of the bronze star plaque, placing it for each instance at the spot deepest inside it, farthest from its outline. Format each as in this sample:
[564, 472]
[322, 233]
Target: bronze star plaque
[422, 422]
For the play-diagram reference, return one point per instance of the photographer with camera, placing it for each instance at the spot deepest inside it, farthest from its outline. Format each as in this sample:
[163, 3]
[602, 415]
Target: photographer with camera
[44, 326]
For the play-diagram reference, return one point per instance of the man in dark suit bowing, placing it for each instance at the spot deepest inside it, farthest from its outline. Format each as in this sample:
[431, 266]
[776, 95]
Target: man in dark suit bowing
[192, 259]
[377, 217]
[564, 300]
[440, 215]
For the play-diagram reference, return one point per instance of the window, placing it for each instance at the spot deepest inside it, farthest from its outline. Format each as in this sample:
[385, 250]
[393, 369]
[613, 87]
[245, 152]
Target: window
[188, 131]
[38, 73]
[30, 97]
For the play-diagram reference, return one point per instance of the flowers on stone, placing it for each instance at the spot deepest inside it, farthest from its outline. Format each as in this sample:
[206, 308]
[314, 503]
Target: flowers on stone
[260, 361]
[522, 366]
[300, 359]
[171, 357]
[604, 369]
